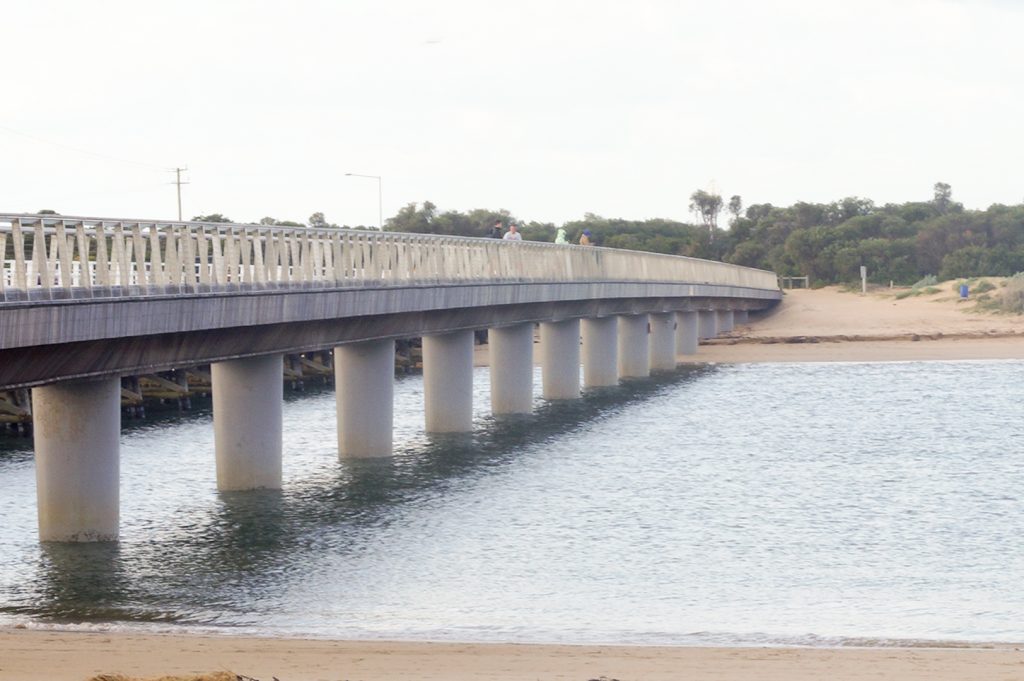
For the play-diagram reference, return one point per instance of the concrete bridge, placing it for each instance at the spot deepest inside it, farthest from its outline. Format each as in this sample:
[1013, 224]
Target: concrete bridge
[86, 301]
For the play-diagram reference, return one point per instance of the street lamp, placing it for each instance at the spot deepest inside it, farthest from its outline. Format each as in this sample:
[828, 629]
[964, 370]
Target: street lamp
[380, 198]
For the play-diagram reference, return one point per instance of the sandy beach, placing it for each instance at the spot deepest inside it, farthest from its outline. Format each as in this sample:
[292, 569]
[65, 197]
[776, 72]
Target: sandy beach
[810, 325]
[62, 656]
[832, 325]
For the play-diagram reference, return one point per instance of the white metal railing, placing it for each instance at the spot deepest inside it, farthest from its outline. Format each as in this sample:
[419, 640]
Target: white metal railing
[57, 256]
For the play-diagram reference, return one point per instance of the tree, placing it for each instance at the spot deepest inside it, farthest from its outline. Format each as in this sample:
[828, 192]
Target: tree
[47, 211]
[272, 222]
[735, 206]
[943, 197]
[707, 206]
[410, 219]
[212, 217]
[317, 220]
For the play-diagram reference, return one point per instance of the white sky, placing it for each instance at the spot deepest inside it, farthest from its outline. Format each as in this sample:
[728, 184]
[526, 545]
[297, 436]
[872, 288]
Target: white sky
[547, 108]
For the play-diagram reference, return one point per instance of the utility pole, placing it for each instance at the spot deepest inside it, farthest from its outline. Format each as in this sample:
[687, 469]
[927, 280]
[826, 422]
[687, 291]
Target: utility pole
[177, 181]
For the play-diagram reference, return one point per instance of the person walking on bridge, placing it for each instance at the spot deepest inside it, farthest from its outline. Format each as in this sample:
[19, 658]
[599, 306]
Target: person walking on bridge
[560, 237]
[513, 233]
[585, 238]
[495, 231]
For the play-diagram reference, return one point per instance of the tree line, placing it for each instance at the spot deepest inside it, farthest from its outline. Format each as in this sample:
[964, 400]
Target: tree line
[898, 242]
[828, 242]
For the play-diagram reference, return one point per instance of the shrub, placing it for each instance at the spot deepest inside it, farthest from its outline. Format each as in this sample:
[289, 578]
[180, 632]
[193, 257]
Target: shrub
[930, 280]
[984, 286]
[1013, 296]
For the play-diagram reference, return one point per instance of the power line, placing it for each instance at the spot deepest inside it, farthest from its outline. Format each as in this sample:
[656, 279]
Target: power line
[78, 150]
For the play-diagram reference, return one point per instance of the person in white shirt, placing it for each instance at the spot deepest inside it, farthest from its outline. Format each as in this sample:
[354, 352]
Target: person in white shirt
[513, 233]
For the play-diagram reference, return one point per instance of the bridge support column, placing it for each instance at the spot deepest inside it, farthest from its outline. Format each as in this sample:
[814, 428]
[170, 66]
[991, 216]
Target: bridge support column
[77, 428]
[634, 347]
[686, 333]
[448, 382]
[364, 384]
[741, 317]
[663, 342]
[707, 324]
[511, 355]
[600, 347]
[560, 359]
[725, 321]
[248, 397]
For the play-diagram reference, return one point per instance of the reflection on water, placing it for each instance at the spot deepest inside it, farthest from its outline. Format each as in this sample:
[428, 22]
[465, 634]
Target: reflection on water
[753, 503]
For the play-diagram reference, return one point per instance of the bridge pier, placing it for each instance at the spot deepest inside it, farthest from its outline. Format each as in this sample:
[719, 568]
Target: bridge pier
[364, 385]
[707, 324]
[725, 321]
[663, 345]
[248, 398]
[741, 317]
[600, 350]
[634, 347]
[686, 333]
[511, 359]
[560, 359]
[77, 428]
[448, 382]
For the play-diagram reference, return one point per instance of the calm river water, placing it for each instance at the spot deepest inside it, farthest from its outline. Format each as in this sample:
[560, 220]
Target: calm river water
[785, 503]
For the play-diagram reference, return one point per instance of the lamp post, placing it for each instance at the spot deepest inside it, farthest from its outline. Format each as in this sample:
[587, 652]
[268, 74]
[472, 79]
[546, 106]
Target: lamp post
[380, 198]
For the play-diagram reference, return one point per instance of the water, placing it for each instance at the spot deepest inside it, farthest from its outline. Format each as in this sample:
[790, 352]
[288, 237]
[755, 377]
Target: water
[819, 503]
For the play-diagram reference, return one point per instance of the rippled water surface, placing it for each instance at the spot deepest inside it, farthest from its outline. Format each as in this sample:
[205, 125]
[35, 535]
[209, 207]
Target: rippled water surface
[786, 503]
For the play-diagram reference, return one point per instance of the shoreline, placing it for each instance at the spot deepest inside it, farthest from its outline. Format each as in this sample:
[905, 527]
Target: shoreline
[33, 654]
[743, 349]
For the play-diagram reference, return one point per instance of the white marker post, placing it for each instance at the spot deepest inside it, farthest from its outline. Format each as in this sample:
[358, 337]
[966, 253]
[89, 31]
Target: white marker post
[863, 279]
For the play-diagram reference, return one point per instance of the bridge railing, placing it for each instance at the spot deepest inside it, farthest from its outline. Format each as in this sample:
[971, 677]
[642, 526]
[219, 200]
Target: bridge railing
[47, 257]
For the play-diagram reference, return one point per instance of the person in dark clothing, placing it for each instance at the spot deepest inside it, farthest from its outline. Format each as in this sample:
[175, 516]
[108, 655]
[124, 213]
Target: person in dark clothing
[495, 231]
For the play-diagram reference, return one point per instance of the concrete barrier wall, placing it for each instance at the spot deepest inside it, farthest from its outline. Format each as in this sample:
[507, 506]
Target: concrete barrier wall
[51, 257]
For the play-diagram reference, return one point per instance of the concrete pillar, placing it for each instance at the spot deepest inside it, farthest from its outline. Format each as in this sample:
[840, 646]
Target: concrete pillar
[725, 321]
[248, 397]
[741, 317]
[560, 359]
[448, 382]
[663, 341]
[707, 324]
[634, 348]
[77, 427]
[686, 333]
[600, 348]
[511, 358]
[364, 391]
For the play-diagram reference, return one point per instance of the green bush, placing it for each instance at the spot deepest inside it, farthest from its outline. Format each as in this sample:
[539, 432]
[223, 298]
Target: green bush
[926, 291]
[930, 280]
[1013, 296]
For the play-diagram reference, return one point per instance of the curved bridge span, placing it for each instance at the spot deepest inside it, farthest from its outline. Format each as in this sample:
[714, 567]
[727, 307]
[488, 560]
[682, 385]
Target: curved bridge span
[86, 301]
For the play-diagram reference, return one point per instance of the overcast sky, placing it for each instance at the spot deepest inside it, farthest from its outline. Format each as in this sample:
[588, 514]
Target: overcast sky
[549, 109]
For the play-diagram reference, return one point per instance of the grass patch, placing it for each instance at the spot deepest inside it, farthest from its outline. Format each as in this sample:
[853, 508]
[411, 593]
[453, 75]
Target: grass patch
[910, 293]
[975, 285]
